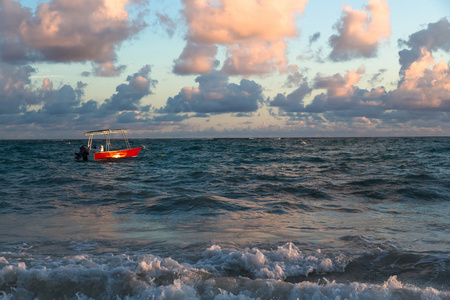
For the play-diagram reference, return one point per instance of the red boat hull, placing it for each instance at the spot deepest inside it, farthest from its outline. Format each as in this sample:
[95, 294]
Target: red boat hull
[117, 154]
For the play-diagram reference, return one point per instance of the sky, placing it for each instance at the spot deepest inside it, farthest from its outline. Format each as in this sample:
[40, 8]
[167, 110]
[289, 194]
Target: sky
[224, 68]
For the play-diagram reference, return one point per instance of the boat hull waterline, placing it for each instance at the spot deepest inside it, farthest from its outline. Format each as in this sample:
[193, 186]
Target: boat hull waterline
[117, 154]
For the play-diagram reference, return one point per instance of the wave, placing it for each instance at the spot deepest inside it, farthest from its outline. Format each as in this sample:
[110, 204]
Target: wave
[182, 204]
[284, 272]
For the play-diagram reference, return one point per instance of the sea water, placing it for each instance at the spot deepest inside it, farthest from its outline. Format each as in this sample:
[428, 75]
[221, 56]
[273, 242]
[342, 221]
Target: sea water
[310, 218]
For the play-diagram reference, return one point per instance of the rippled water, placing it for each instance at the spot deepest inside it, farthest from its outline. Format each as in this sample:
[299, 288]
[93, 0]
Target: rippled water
[227, 219]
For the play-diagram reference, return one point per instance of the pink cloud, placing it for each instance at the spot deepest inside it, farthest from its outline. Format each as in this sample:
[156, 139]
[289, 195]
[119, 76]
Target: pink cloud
[66, 30]
[228, 21]
[196, 58]
[359, 32]
[47, 85]
[107, 69]
[423, 91]
[256, 57]
[425, 85]
[253, 32]
[338, 85]
[436, 36]
[12, 45]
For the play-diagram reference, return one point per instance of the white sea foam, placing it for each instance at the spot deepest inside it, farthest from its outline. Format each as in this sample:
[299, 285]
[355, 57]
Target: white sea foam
[283, 262]
[220, 274]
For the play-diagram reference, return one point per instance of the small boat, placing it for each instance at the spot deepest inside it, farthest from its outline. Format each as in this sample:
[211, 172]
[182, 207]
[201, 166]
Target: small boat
[105, 152]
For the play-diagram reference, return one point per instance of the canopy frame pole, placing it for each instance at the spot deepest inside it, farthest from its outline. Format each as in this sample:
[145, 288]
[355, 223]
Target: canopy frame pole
[90, 141]
[108, 141]
[126, 139]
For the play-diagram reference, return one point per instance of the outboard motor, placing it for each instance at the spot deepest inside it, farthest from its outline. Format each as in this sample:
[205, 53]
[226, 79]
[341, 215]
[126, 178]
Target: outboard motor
[84, 152]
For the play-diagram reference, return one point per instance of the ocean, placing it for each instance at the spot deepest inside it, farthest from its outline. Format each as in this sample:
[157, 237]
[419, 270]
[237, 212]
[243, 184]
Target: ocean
[290, 218]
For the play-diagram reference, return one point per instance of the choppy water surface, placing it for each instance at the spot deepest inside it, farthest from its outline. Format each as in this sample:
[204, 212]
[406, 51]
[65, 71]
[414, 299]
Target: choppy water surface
[355, 218]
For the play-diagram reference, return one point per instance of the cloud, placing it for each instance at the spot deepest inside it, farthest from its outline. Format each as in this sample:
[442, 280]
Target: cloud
[128, 96]
[12, 45]
[338, 85]
[66, 31]
[107, 69]
[423, 93]
[256, 57]
[360, 34]
[130, 117]
[215, 94]
[435, 37]
[254, 33]
[16, 94]
[196, 58]
[294, 102]
[342, 99]
[167, 23]
[377, 77]
[63, 101]
[425, 85]
[169, 118]
[314, 38]
[22, 102]
[294, 77]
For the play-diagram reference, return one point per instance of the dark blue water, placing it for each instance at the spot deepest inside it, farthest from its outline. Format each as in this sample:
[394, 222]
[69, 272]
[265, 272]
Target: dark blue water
[313, 218]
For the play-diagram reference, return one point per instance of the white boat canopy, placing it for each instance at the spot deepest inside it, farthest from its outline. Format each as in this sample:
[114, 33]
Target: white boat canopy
[106, 133]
